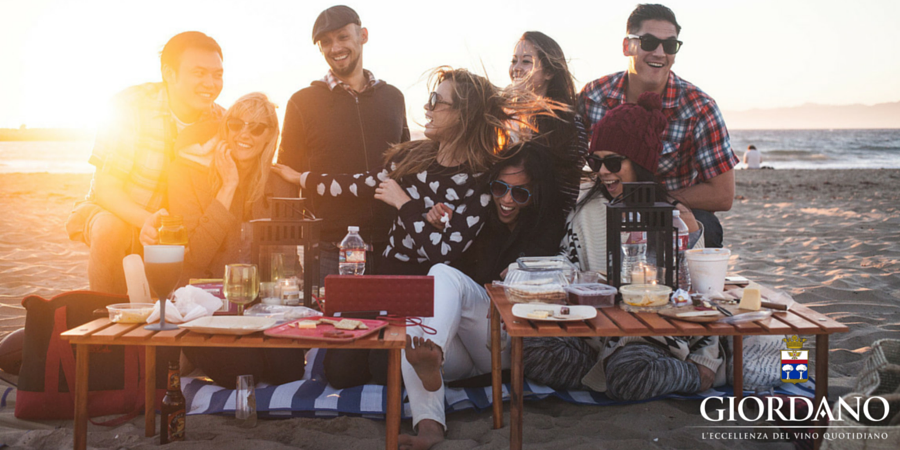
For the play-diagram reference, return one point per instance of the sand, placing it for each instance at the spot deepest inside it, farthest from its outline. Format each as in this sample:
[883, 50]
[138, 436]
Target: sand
[828, 237]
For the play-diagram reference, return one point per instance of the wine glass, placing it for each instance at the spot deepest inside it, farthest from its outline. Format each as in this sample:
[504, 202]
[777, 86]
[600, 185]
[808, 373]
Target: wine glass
[163, 265]
[241, 284]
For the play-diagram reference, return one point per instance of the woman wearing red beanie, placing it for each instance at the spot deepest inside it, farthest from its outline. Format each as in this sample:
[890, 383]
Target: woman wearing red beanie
[625, 147]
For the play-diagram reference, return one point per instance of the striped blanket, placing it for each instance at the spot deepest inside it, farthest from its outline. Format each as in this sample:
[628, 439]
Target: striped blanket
[313, 397]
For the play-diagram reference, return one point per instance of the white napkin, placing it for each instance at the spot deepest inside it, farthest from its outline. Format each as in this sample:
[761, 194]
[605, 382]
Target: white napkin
[172, 314]
[190, 303]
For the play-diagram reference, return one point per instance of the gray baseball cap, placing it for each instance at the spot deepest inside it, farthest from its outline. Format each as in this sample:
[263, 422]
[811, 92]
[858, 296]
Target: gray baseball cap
[332, 19]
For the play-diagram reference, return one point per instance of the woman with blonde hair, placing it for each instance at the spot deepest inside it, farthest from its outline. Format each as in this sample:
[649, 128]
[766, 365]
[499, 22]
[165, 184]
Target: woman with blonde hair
[469, 122]
[217, 182]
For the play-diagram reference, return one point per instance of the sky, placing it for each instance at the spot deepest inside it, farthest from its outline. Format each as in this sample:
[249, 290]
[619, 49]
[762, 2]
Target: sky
[61, 61]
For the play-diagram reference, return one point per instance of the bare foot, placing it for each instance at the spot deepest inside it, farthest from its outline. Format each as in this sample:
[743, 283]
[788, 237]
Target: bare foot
[430, 434]
[426, 358]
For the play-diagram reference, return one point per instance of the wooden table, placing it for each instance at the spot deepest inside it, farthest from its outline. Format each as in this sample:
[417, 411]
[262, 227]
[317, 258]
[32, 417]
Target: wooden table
[102, 331]
[617, 322]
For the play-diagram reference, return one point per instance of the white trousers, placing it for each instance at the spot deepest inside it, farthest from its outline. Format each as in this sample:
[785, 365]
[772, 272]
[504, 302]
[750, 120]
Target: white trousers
[461, 320]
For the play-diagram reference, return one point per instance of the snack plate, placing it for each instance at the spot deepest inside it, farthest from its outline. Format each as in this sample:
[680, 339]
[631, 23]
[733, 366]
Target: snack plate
[234, 325]
[576, 312]
[673, 312]
[289, 331]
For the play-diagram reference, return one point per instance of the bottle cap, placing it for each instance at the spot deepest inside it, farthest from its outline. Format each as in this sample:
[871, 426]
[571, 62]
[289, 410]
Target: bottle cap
[353, 229]
[172, 221]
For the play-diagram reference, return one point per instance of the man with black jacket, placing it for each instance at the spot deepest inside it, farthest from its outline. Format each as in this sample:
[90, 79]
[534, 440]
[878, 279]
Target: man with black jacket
[343, 123]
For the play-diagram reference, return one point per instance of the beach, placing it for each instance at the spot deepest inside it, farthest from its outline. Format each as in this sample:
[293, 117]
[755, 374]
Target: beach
[827, 237]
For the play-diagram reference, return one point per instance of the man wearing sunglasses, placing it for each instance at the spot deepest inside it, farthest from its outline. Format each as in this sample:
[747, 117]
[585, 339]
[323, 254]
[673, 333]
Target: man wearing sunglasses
[343, 123]
[697, 161]
[133, 152]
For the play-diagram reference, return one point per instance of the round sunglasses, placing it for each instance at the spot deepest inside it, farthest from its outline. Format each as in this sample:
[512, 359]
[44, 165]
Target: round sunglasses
[650, 42]
[237, 125]
[520, 194]
[613, 163]
[434, 99]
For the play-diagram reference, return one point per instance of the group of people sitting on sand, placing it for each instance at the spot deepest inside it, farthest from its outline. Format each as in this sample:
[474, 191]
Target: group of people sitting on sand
[524, 170]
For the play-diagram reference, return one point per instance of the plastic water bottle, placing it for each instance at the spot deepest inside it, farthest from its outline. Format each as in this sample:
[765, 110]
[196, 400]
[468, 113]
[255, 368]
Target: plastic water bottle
[634, 251]
[681, 245]
[352, 257]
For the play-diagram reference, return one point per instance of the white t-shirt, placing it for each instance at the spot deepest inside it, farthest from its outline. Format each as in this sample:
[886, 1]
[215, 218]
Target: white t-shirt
[752, 159]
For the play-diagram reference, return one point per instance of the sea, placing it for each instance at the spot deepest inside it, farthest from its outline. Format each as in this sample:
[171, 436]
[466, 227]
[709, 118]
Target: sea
[781, 149]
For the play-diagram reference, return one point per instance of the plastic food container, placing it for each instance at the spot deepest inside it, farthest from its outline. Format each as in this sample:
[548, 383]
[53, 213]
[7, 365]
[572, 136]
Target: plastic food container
[549, 263]
[592, 294]
[129, 312]
[645, 294]
[536, 286]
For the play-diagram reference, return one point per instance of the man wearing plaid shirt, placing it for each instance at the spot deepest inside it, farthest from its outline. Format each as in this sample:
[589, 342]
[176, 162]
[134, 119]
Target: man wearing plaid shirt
[697, 160]
[133, 151]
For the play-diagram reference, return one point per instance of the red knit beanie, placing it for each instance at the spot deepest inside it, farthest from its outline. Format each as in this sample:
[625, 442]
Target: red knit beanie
[633, 131]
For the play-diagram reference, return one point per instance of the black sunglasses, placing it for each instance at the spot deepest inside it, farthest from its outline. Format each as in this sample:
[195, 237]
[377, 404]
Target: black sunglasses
[520, 194]
[649, 43]
[613, 163]
[434, 99]
[237, 125]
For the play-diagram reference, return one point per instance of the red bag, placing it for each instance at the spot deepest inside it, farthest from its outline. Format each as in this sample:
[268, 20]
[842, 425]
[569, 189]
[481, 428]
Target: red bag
[47, 378]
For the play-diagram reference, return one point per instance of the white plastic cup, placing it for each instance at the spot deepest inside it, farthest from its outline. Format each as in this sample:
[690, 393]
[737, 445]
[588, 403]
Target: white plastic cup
[708, 267]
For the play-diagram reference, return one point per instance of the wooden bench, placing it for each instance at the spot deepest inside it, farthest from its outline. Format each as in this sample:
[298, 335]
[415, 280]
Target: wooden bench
[617, 322]
[102, 331]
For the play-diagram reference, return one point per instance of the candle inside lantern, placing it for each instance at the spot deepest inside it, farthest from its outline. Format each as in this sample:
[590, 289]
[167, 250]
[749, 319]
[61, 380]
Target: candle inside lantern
[290, 291]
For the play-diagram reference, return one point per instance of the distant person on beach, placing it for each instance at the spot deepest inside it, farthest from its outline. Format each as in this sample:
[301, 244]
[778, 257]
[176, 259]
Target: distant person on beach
[343, 123]
[218, 181]
[539, 66]
[526, 202]
[697, 160]
[752, 158]
[133, 152]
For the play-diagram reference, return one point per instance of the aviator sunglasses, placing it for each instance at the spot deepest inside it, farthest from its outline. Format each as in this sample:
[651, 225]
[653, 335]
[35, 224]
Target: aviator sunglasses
[520, 194]
[613, 163]
[237, 125]
[649, 43]
[434, 99]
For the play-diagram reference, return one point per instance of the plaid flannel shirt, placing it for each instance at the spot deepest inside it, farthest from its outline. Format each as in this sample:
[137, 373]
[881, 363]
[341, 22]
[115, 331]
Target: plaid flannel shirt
[696, 146]
[137, 145]
[333, 82]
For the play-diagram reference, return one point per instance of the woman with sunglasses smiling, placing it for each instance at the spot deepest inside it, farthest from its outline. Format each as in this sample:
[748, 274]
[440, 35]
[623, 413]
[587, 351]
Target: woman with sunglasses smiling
[539, 66]
[216, 183]
[524, 220]
[469, 121]
[625, 147]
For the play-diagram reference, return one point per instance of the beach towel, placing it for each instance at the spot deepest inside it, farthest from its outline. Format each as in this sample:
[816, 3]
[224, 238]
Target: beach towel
[313, 397]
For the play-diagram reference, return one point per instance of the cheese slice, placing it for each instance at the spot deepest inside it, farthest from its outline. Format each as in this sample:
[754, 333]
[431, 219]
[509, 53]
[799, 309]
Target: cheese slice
[347, 324]
[307, 324]
[751, 300]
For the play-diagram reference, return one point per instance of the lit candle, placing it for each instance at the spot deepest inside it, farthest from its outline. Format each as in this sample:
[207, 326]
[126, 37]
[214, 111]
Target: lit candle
[290, 292]
[637, 274]
[650, 274]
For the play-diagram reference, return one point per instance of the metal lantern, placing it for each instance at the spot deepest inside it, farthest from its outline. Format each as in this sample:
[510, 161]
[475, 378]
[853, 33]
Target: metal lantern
[638, 211]
[286, 247]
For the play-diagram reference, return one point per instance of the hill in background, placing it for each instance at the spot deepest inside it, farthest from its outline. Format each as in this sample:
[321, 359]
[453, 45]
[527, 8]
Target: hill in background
[814, 116]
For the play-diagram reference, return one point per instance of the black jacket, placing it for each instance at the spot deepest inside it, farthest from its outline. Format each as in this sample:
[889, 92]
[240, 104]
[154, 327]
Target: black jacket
[330, 131]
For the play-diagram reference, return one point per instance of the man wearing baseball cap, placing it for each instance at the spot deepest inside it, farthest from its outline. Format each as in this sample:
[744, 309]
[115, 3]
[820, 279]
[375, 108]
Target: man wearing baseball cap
[343, 123]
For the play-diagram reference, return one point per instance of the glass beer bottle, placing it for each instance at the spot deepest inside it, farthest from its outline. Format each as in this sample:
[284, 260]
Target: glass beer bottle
[171, 422]
[172, 231]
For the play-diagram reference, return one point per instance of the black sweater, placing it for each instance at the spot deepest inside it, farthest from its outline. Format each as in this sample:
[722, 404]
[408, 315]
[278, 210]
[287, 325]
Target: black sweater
[330, 131]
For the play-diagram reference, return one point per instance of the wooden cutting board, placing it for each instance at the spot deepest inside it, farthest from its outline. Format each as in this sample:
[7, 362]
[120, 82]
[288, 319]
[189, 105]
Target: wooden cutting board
[673, 311]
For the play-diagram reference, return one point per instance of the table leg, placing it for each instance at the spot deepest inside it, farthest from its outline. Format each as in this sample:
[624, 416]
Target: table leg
[516, 394]
[150, 391]
[738, 368]
[496, 368]
[82, 372]
[392, 416]
[821, 380]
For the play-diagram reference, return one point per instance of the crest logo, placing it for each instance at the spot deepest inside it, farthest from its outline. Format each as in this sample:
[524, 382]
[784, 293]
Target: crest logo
[794, 361]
